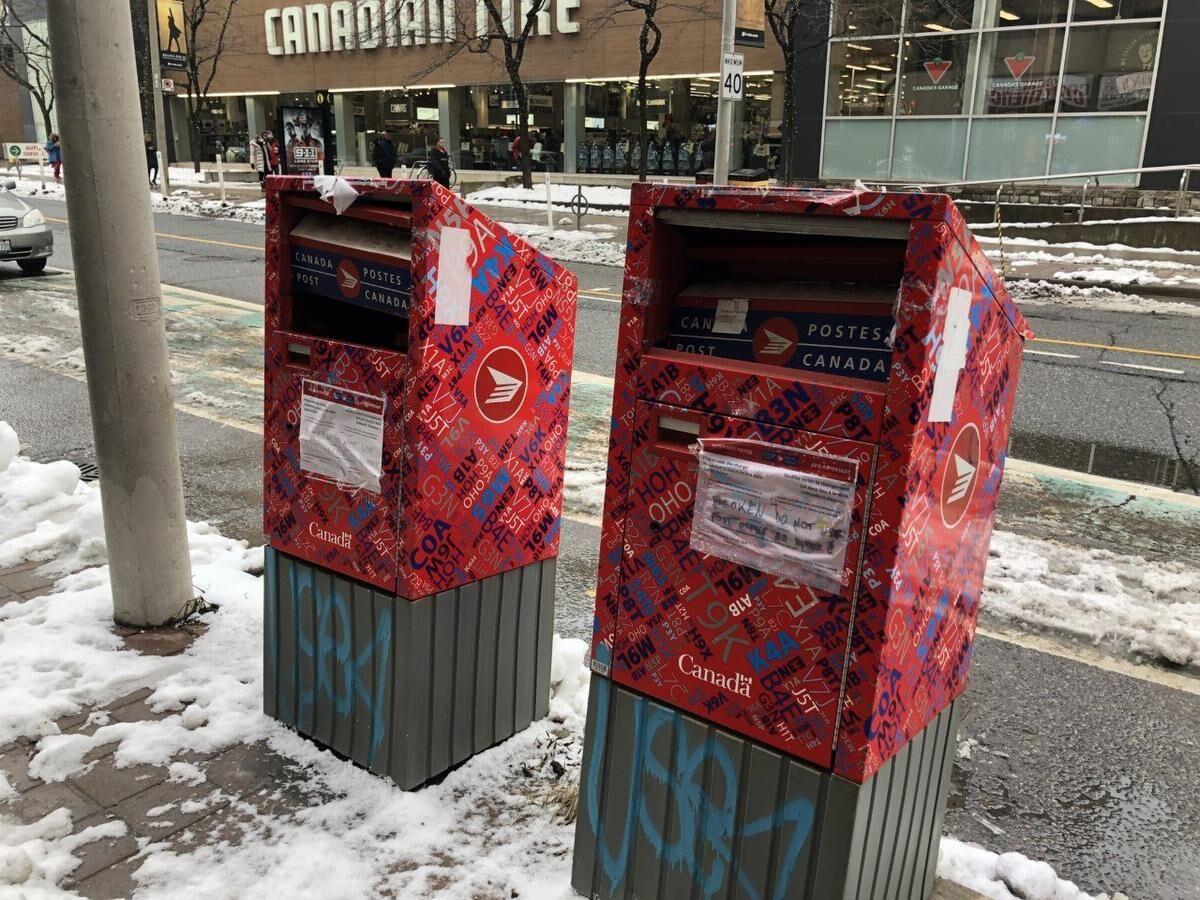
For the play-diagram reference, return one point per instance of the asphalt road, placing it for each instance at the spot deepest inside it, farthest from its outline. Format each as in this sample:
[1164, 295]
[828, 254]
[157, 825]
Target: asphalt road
[1087, 395]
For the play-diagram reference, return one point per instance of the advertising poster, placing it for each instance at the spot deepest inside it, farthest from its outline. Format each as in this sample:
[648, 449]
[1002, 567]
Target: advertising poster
[750, 29]
[172, 37]
[302, 139]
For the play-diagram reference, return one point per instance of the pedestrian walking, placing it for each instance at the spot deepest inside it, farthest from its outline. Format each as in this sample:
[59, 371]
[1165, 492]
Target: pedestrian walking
[438, 163]
[383, 155]
[264, 156]
[151, 160]
[54, 156]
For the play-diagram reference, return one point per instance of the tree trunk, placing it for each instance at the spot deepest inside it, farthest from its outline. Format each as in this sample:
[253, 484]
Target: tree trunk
[47, 122]
[518, 87]
[641, 104]
[787, 142]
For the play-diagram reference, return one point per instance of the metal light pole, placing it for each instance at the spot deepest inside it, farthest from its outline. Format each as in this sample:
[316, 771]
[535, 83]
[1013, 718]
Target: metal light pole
[160, 117]
[724, 107]
[120, 310]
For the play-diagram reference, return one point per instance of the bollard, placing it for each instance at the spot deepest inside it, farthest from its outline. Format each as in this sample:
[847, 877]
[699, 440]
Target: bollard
[221, 177]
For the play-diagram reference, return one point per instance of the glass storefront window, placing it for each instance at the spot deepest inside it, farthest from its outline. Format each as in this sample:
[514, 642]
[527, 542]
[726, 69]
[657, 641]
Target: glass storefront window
[935, 75]
[1099, 10]
[1097, 143]
[1110, 68]
[929, 150]
[940, 15]
[856, 149]
[853, 18]
[1008, 148]
[862, 77]
[1020, 71]
[1023, 13]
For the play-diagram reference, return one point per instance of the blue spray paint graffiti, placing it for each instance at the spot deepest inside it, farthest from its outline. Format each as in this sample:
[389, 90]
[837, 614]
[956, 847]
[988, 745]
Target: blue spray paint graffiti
[342, 674]
[695, 814]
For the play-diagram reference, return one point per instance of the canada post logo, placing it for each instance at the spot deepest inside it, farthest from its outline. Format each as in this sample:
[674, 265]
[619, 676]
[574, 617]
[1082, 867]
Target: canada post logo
[501, 382]
[960, 475]
[348, 279]
[775, 342]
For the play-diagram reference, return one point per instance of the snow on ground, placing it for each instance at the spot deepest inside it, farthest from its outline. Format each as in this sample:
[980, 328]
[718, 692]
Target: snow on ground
[1124, 604]
[561, 195]
[1033, 292]
[500, 825]
[1007, 876]
[180, 202]
[572, 246]
[1074, 245]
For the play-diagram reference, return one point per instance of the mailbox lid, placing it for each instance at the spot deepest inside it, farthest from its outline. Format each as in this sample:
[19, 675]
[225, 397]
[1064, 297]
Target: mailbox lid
[753, 652]
[317, 388]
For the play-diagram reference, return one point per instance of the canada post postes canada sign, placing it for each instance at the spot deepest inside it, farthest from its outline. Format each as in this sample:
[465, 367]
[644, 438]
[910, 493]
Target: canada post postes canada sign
[361, 282]
[372, 24]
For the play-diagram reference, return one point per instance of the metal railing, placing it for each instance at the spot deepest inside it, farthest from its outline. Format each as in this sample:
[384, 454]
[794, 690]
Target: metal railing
[1087, 177]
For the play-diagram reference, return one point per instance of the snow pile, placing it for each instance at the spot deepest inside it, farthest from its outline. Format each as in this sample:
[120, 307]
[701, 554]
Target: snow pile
[35, 858]
[583, 488]
[181, 202]
[561, 196]
[1007, 876]
[1125, 604]
[1032, 292]
[571, 246]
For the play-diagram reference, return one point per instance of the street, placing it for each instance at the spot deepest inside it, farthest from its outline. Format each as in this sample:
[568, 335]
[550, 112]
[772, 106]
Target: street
[1073, 756]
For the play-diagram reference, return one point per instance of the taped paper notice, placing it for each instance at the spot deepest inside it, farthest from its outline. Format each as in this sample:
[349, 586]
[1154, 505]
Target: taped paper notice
[730, 317]
[952, 356]
[452, 302]
[783, 511]
[341, 435]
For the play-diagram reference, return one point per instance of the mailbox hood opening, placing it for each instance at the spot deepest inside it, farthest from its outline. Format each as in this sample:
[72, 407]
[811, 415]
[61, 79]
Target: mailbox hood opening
[350, 280]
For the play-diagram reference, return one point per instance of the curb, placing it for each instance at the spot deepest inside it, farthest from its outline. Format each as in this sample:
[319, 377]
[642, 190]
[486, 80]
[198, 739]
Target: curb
[1174, 291]
[1103, 482]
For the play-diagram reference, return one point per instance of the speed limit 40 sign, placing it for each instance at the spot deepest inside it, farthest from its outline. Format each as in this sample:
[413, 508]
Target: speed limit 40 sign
[733, 83]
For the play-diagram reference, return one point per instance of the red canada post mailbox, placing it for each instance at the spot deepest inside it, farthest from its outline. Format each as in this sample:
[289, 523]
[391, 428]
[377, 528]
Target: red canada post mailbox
[812, 405]
[418, 360]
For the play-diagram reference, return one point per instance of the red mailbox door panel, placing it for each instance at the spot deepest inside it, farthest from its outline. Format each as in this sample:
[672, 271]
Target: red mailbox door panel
[757, 653]
[349, 528]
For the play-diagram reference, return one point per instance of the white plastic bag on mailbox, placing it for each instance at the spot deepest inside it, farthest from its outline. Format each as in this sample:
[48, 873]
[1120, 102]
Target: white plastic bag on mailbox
[780, 510]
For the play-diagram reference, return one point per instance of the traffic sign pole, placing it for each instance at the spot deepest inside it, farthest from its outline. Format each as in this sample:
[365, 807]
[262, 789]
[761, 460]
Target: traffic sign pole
[724, 106]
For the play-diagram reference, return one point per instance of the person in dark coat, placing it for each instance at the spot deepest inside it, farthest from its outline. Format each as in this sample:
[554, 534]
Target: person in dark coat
[383, 155]
[439, 163]
[151, 160]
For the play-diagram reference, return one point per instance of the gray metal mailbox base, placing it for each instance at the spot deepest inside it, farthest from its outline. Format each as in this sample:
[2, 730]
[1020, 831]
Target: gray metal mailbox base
[670, 806]
[406, 688]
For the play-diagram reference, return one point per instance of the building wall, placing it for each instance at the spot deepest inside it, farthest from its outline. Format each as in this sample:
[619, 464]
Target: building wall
[604, 47]
[12, 113]
[1174, 135]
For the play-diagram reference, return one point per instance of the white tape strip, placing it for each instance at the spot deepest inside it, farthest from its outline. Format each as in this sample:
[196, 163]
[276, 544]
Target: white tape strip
[452, 302]
[952, 356]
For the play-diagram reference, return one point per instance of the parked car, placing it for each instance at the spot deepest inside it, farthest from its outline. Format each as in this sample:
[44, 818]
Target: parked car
[25, 238]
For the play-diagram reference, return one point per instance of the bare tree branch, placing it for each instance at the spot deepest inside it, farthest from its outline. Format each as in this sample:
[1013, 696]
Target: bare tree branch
[25, 58]
[206, 29]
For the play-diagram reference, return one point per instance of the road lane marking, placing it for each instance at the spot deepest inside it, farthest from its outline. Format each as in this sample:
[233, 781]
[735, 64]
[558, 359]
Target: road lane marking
[183, 237]
[1168, 353]
[1052, 353]
[1109, 362]
[590, 295]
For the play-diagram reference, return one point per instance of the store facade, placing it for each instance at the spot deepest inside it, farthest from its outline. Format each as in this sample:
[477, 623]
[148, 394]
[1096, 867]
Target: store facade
[980, 89]
[908, 91]
[416, 70]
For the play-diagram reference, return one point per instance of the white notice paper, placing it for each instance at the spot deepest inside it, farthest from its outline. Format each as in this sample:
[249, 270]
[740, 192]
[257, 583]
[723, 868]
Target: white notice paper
[452, 302]
[730, 317]
[779, 510]
[952, 356]
[341, 435]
